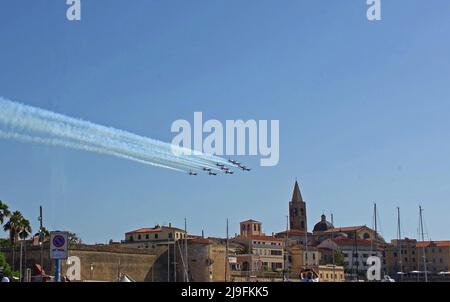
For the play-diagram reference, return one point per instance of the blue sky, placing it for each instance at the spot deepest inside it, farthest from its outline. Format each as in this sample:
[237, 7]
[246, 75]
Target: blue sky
[363, 110]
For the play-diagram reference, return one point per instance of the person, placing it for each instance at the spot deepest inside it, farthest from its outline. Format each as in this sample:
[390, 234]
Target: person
[5, 279]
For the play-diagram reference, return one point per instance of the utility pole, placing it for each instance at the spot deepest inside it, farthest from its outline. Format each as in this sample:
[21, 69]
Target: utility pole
[424, 247]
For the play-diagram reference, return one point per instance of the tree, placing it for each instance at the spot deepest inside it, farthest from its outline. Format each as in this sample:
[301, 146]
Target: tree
[4, 211]
[5, 269]
[18, 227]
[74, 239]
[13, 226]
[339, 258]
[24, 229]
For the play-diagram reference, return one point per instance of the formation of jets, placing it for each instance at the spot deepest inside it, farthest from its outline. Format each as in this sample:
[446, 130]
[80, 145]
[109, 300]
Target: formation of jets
[222, 167]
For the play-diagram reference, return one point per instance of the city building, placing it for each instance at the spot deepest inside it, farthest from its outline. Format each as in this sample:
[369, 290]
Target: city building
[261, 252]
[331, 273]
[355, 251]
[297, 211]
[437, 256]
[401, 256]
[301, 258]
[152, 237]
[406, 256]
[360, 232]
[297, 234]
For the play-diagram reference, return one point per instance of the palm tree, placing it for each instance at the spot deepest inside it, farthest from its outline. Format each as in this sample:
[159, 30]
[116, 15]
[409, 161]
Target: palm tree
[4, 211]
[18, 227]
[24, 232]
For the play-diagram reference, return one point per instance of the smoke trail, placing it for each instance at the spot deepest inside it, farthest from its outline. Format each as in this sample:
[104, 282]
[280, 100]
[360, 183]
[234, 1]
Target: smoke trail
[55, 142]
[29, 124]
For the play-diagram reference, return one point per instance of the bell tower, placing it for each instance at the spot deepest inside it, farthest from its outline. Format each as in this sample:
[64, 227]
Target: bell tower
[297, 211]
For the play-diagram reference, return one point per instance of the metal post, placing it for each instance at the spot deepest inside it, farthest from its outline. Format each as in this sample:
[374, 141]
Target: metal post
[20, 264]
[57, 270]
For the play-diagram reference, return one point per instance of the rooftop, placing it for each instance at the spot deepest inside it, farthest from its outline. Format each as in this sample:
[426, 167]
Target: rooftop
[250, 221]
[445, 243]
[345, 229]
[156, 229]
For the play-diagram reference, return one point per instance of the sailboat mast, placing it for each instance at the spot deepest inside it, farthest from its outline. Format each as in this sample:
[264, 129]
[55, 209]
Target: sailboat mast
[332, 253]
[399, 237]
[375, 223]
[286, 245]
[226, 256]
[423, 241]
[186, 250]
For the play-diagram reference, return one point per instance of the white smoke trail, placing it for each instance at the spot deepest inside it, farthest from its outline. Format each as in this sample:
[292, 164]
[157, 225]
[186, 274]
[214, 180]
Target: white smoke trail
[60, 143]
[201, 158]
[62, 130]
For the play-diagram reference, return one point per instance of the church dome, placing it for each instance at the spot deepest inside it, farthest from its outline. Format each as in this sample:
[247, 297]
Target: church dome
[322, 225]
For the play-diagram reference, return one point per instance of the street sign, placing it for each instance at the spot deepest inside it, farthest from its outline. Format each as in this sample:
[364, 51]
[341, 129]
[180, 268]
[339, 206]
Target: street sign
[58, 245]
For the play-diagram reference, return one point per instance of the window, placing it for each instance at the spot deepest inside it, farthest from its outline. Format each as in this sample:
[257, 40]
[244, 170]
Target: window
[147, 236]
[254, 227]
[406, 259]
[139, 237]
[156, 236]
[170, 235]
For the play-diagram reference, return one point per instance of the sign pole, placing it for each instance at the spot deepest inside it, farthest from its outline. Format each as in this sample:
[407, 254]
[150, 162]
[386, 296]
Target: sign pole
[58, 250]
[58, 270]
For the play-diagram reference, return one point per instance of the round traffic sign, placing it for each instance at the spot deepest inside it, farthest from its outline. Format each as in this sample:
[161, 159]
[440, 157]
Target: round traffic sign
[59, 241]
